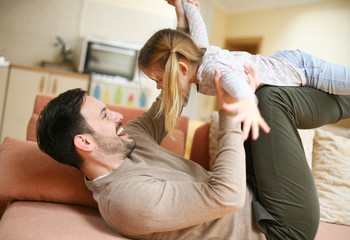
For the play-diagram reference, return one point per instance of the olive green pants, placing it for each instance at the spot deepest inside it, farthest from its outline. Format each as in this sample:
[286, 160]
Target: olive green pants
[285, 198]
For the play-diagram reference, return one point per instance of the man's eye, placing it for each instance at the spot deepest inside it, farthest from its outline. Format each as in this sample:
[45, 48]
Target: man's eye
[156, 80]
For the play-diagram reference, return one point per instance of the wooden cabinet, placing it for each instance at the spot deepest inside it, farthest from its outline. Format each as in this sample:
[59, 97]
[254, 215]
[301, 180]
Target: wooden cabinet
[23, 86]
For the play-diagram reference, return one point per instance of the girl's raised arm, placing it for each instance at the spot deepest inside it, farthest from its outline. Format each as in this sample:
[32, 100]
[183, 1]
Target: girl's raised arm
[196, 23]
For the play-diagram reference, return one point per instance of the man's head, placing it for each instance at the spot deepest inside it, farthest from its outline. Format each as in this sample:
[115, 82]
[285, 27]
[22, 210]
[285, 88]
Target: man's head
[74, 124]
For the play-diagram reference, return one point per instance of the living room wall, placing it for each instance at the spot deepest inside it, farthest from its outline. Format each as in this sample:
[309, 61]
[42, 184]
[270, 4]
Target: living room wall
[322, 29]
[29, 28]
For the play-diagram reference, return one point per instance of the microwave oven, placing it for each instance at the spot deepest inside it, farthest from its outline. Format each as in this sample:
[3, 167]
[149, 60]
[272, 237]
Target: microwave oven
[108, 57]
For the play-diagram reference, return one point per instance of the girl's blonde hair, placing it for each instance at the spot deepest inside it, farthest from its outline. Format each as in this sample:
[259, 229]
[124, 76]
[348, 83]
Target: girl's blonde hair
[165, 48]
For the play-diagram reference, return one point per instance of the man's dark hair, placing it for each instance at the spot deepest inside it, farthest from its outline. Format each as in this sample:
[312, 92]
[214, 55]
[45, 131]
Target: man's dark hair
[59, 123]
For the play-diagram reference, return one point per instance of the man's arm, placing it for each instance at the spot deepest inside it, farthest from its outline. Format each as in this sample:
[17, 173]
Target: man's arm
[150, 123]
[182, 23]
[177, 202]
[190, 20]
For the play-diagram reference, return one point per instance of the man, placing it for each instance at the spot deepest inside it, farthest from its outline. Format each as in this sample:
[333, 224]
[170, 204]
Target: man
[144, 191]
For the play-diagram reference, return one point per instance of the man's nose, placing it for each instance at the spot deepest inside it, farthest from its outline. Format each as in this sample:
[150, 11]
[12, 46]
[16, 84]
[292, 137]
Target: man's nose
[118, 117]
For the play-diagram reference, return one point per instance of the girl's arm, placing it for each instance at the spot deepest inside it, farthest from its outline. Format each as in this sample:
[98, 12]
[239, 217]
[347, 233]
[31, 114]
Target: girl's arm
[246, 108]
[196, 23]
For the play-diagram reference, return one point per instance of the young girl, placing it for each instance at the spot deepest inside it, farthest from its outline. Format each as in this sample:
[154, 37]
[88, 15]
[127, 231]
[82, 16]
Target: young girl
[174, 60]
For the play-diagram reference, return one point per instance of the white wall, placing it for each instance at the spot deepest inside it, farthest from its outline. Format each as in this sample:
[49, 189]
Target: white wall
[29, 27]
[130, 21]
[322, 29]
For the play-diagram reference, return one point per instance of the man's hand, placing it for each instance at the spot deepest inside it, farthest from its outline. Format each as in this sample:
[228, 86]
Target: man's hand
[245, 110]
[176, 3]
[253, 76]
[223, 97]
[180, 13]
[195, 2]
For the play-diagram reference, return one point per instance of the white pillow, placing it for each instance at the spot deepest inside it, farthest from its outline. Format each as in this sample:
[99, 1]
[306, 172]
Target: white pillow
[307, 138]
[331, 171]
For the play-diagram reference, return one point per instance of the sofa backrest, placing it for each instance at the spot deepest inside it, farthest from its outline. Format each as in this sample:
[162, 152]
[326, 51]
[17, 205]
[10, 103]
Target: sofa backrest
[200, 146]
[26, 173]
[176, 145]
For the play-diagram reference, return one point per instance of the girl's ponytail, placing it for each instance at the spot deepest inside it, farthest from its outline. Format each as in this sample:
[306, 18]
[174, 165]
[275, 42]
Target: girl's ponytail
[172, 101]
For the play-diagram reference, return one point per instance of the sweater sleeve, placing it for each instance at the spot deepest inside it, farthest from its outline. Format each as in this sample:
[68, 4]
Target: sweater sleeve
[153, 204]
[196, 23]
[149, 123]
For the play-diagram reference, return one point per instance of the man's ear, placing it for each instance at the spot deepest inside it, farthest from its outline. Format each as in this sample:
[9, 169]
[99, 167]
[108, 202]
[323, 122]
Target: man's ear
[183, 67]
[84, 143]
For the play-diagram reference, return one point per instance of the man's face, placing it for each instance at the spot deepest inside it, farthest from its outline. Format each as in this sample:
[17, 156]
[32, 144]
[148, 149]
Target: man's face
[107, 127]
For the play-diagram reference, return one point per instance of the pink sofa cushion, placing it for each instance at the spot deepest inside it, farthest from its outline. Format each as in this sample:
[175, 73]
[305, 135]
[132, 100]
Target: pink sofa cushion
[200, 146]
[25, 220]
[332, 231]
[26, 173]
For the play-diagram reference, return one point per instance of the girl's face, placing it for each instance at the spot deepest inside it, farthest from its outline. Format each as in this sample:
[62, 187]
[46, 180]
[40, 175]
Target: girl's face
[184, 85]
[155, 72]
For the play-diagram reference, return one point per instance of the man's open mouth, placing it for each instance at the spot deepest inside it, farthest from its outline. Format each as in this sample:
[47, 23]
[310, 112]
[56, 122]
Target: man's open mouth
[120, 131]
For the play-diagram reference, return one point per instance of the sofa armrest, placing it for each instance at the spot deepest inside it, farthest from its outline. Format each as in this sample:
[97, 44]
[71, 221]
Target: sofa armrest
[200, 146]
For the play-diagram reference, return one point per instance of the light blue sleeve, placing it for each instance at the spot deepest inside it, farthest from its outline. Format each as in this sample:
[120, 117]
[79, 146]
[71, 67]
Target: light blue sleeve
[196, 23]
[233, 81]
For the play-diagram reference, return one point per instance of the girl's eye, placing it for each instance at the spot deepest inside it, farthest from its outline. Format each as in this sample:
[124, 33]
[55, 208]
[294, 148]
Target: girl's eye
[105, 115]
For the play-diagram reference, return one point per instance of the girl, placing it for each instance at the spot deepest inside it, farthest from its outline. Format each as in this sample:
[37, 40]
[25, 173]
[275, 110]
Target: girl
[174, 60]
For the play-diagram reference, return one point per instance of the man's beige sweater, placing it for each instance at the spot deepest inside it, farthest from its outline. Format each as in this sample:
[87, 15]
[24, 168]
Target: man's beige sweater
[156, 194]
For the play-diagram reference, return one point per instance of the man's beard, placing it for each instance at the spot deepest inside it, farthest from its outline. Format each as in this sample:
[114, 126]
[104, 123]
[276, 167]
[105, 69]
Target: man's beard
[112, 145]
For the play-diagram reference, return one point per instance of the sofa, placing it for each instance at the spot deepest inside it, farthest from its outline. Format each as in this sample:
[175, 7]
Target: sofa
[42, 199]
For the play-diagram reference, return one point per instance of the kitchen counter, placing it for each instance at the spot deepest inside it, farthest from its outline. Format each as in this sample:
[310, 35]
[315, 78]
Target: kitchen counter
[51, 70]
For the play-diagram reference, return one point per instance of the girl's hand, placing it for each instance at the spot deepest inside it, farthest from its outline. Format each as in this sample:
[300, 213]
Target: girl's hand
[246, 111]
